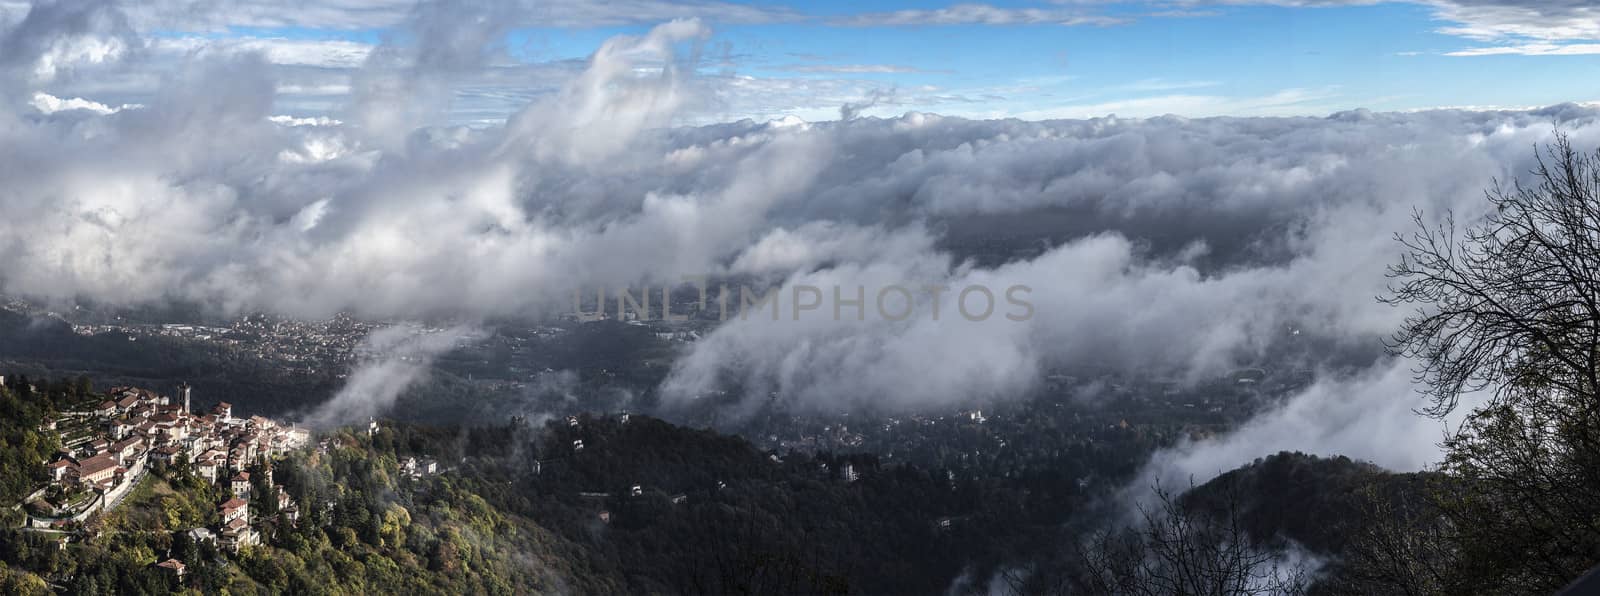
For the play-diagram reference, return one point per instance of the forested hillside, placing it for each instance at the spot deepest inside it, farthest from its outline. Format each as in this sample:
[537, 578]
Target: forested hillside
[632, 504]
[591, 504]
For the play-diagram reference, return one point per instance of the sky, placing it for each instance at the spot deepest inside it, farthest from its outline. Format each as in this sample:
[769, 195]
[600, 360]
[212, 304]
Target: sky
[1031, 60]
[459, 161]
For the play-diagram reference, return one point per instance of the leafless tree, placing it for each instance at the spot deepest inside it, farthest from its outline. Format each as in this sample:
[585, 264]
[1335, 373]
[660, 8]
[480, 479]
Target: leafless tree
[1398, 545]
[1514, 300]
[1181, 550]
[1510, 306]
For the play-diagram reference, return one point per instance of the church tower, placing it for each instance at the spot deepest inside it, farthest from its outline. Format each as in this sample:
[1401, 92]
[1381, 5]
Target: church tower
[183, 391]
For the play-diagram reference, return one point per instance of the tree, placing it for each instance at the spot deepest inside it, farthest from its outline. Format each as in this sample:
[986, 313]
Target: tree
[1181, 549]
[1508, 309]
[19, 582]
[392, 530]
[1398, 545]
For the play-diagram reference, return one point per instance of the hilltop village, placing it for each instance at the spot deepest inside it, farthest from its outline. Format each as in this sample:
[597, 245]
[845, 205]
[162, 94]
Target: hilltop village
[107, 448]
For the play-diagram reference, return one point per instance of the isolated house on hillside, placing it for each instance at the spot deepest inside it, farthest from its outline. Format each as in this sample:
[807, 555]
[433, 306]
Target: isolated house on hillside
[172, 566]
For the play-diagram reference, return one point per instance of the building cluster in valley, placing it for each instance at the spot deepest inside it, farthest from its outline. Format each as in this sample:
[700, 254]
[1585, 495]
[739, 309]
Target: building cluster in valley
[293, 344]
[107, 448]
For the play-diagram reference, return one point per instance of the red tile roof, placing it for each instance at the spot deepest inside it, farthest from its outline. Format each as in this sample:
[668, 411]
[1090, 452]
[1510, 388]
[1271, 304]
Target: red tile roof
[97, 464]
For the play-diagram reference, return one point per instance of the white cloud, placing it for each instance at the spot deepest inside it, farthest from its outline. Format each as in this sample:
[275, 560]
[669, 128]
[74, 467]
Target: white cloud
[293, 121]
[1533, 49]
[1348, 182]
[187, 15]
[976, 14]
[1287, 102]
[855, 68]
[50, 104]
[394, 358]
[1368, 416]
[55, 39]
[329, 53]
[1548, 20]
[1484, 20]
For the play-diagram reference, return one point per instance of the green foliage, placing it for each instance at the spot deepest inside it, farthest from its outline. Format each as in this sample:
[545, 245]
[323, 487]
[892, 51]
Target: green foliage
[21, 583]
[24, 449]
[518, 510]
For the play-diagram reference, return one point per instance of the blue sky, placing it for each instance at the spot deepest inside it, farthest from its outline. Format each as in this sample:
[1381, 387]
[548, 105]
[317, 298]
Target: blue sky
[1070, 58]
[1382, 57]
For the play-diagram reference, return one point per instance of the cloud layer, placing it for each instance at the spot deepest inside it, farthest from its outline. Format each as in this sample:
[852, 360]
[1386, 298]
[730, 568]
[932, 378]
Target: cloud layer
[393, 359]
[1171, 247]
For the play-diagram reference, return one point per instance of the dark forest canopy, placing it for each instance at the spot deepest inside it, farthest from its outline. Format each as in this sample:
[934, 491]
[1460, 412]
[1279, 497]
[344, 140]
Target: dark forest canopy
[516, 507]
